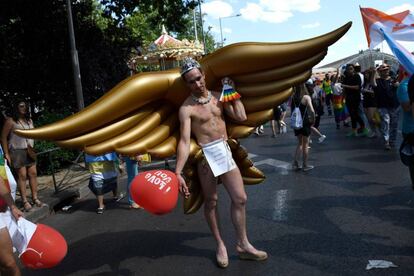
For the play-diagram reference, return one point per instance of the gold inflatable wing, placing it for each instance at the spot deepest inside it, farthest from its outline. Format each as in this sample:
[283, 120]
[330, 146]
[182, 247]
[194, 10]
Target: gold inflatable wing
[140, 114]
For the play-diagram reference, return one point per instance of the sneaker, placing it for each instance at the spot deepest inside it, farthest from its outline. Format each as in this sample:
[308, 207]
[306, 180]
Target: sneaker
[351, 134]
[261, 130]
[118, 197]
[364, 132]
[321, 139]
[100, 210]
[307, 168]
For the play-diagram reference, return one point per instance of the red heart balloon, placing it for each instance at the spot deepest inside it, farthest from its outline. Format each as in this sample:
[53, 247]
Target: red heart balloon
[46, 248]
[156, 191]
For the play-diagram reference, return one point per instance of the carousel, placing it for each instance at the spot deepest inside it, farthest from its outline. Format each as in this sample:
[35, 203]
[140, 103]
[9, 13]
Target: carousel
[165, 53]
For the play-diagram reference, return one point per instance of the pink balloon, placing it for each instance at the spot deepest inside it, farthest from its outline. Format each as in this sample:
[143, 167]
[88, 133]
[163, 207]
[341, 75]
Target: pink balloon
[156, 191]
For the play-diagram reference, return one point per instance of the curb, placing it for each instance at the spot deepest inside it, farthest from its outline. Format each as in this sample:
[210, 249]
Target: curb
[79, 191]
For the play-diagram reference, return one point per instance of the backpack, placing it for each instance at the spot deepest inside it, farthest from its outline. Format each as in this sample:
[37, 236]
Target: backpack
[296, 121]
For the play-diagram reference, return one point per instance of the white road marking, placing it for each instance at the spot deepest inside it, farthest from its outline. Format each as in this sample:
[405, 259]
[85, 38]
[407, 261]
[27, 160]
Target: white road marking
[280, 211]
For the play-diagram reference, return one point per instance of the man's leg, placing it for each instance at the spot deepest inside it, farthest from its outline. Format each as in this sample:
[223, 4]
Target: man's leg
[233, 183]
[328, 100]
[132, 171]
[272, 123]
[8, 264]
[209, 186]
[385, 126]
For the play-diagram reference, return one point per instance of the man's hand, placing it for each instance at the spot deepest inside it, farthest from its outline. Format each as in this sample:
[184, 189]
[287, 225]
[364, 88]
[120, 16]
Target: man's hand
[183, 186]
[229, 81]
[16, 212]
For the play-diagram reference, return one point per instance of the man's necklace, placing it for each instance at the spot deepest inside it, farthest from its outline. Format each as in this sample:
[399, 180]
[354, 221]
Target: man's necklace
[202, 100]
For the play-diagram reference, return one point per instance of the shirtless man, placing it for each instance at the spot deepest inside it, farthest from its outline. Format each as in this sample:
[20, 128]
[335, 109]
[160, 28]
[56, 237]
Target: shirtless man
[202, 114]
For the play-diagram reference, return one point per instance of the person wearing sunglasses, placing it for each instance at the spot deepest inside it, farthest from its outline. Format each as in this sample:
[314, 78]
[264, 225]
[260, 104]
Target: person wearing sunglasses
[16, 151]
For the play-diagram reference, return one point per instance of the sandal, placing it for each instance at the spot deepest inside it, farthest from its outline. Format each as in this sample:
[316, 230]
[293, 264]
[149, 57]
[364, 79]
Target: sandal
[37, 202]
[134, 206]
[27, 206]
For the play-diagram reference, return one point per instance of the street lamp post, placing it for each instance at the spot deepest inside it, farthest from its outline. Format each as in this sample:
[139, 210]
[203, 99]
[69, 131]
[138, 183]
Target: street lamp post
[221, 29]
[75, 60]
[202, 27]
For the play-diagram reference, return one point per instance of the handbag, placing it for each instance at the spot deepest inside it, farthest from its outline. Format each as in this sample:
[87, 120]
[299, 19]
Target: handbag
[31, 152]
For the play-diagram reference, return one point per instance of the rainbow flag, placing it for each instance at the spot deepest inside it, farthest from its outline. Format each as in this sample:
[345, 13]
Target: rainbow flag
[229, 94]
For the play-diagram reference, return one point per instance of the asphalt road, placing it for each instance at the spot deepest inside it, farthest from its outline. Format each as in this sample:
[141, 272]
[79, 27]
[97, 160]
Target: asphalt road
[356, 205]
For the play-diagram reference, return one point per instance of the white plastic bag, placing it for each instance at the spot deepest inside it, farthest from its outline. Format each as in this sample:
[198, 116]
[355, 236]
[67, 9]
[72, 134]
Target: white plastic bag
[296, 121]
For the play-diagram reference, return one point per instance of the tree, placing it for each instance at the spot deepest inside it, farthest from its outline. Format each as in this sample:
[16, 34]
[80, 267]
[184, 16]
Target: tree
[35, 57]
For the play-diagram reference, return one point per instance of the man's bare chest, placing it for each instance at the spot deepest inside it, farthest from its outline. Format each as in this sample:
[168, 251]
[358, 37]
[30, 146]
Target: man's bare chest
[205, 113]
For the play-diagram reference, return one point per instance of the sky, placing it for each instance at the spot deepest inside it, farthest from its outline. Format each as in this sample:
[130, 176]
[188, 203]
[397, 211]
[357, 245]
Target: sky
[292, 20]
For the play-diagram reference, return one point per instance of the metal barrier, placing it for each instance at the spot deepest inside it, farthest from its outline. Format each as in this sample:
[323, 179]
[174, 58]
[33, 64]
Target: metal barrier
[50, 152]
[58, 185]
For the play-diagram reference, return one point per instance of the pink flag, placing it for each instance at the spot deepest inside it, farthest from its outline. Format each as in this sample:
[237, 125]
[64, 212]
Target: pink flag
[399, 26]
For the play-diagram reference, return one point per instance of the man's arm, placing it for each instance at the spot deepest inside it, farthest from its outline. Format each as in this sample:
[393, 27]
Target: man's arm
[235, 110]
[183, 148]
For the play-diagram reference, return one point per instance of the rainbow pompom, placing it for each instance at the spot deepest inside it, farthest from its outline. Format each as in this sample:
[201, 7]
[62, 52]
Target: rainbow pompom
[229, 94]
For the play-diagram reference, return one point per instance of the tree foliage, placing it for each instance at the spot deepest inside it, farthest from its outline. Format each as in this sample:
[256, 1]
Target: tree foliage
[35, 58]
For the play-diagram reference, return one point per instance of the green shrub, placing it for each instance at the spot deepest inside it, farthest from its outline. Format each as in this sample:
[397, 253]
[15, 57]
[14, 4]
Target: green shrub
[60, 158]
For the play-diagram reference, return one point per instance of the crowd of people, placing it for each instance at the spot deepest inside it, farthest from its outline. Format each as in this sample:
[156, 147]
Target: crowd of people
[366, 102]
[368, 99]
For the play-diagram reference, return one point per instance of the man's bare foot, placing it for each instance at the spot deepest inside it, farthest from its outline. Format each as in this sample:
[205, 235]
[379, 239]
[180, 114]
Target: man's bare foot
[221, 256]
[251, 253]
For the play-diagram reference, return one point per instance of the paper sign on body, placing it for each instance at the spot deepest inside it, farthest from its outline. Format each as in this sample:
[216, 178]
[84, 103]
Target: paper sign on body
[218, 156]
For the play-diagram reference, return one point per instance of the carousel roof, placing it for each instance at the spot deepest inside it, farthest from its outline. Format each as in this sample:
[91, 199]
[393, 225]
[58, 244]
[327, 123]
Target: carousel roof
[164, 38]
[167, 47]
